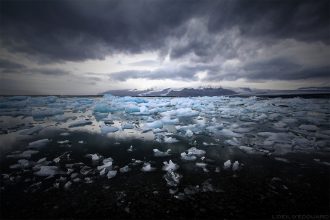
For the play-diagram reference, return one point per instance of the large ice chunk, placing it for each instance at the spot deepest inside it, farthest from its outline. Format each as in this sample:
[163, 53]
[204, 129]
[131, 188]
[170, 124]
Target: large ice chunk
[38, 144]
[158, 153]
[170, 166]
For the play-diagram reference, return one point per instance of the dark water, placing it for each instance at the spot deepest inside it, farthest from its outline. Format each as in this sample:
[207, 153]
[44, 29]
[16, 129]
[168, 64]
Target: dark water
[262, 188]
[279, 153]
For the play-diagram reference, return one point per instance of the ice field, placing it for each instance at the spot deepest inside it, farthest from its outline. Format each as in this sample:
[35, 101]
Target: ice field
[149, 157]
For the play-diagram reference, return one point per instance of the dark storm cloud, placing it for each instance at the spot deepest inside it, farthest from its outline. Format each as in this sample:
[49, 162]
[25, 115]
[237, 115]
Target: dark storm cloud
[79, 30]
[7, 66]
[303, 20]
[278, 69]
[275, 69]
[186, 73]
[207, 33]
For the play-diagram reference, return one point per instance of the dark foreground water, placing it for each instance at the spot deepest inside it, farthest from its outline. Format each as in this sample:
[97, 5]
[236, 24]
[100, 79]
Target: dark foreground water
[202, 158]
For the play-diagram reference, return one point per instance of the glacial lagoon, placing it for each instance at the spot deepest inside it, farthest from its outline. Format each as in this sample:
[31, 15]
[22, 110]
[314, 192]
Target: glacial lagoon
[163, 157]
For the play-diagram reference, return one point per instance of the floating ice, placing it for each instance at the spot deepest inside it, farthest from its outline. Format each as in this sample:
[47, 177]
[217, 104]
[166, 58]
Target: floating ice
[22, 163]
[67, 185]
[201, 165]
[127, 126]
[24, 154]
[153, 125]
[94, 157]
[308, 127]
[111, 174]
[227, 165]
[63, 142]
[188, 157]
[38, 144]
[108, 129]
[229, 133]
[246, 149]
[158, 153]
[147, 168]
[235, 166]
[170, 166]
[195, 151]
[282, 159]
[130, 149]
[125, 169]
[40, 114]
[192, 154]
[170, 140]
[31, 131]
[172, 179]
[80, 123]
[47, 171]
[189, 133]
[107, 165]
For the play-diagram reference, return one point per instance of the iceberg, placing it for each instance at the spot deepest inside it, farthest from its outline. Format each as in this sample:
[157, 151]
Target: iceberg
[170, 166]
[235, 166]
[80, 123]
[47, 171]
[172, 179]
[111, 174]
[227, 165]
[38, 144]
[125, 169]
[147, 168]
[158, 153]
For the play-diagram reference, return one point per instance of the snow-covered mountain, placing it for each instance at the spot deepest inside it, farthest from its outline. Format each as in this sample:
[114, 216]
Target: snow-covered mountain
[185, 92]
[192, 92]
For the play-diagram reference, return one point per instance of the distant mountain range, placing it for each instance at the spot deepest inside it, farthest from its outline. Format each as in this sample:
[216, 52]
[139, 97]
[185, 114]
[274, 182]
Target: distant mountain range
[193, 92]
[186, 92]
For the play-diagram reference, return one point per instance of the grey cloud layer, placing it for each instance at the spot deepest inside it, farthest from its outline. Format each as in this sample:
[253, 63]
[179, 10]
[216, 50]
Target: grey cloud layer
[207, 32]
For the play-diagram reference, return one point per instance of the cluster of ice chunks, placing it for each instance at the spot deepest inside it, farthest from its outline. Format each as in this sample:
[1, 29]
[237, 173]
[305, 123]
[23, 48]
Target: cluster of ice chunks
[295, 123]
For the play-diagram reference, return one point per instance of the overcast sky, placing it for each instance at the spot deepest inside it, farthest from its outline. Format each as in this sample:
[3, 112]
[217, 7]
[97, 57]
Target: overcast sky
[87, 47]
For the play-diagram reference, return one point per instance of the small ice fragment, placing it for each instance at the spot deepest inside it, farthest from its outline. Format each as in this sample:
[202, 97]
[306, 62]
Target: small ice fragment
[201, 165]
[63, 142]
[246, 149]
[308, 127]
[189, 133]
[158, 153]
[38, 144]
[42, 160]
[282, 159]
[80, 123]
[47, 171]
[170, 166]
[67, 185]
[111, 174]
[170, 140]
[107, 165]
[188, 157]
[172, 178]
[108, 129]
[173, 191]
[217, 170]
[85, 170]
[227, 164]
[24, 154]
[65, 134]
[127, 126]
[124, 169]
[147, 168]
[130, 149]
[94, 157]
[81, 142]
[195, 151]
[235, 166]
